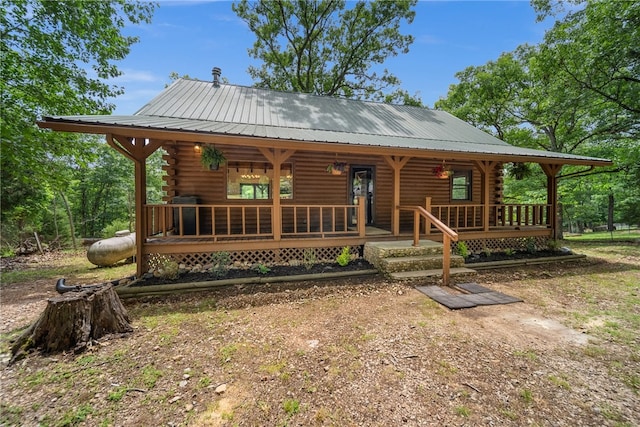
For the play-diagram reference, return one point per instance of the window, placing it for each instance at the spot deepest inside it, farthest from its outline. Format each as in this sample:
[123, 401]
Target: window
[461, 185]
[253, 180]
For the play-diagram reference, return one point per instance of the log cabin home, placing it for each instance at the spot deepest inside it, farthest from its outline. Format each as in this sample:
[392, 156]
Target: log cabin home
[311, 173]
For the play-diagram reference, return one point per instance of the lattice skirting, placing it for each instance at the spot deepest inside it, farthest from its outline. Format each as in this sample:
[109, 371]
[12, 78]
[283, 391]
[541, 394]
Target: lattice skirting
[515, 243]
[248, 258]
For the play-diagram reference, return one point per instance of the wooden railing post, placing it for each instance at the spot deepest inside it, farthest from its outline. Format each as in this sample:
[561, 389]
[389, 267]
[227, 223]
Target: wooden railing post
[362, 227]
[427, 221]
[446, 258]
[416, 228]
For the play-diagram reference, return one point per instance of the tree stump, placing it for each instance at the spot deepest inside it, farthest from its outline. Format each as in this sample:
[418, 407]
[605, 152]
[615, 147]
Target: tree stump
[73, 320]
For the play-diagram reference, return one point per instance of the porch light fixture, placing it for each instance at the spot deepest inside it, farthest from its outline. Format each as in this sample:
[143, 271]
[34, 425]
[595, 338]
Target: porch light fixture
[197, 148]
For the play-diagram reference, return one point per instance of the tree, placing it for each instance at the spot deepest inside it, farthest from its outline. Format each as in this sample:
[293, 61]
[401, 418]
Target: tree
[610, 67]
[56, 59]
[322, 48]
[577, 92]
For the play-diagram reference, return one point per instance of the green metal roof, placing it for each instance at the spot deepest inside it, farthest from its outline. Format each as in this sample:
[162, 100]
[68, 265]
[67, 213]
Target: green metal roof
[199, 106]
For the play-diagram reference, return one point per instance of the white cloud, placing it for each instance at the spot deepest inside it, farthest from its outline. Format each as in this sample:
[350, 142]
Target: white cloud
[136, 76]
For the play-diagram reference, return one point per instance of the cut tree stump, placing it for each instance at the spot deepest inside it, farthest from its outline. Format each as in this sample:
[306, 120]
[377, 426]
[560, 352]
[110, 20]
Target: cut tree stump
[73, 320]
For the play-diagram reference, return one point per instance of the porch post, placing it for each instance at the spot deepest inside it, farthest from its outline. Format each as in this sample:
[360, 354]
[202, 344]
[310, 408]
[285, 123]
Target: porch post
[137, 150]
[485, 167]
[141, 217]
[362, 222]
[396, 164]
[276, 158]
[427, 221]
[552, 196]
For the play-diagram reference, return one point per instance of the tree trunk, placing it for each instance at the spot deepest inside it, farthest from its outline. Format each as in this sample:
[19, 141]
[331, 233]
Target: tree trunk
[73, 320]
[610, 214]
[70, 215]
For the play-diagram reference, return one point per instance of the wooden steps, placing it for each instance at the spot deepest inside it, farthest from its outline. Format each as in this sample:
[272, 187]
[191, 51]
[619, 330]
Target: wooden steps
[401, 260]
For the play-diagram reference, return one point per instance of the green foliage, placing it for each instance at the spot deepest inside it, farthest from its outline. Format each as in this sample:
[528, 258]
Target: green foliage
[117, 225]
[167, 268]
[261, 269]
[509, 252]
[329, 49]
[75, 416]
[220, 262]
[553, 245]
[462, 249]
[576, 92]
[211, 156]
[291, 406]
[310, 258]
[345, 257]
[56, 60]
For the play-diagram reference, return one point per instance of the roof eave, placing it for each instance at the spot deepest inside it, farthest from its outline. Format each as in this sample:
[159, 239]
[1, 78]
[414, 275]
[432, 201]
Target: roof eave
[65, 125]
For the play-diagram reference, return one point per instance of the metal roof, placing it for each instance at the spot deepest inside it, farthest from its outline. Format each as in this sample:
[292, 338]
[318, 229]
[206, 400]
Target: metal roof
[199, 106]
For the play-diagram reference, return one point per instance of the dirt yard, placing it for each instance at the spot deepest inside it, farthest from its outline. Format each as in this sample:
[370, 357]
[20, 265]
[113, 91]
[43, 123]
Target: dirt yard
[352, 352]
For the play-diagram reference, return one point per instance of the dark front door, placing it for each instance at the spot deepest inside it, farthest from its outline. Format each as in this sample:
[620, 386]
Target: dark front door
[361, 184]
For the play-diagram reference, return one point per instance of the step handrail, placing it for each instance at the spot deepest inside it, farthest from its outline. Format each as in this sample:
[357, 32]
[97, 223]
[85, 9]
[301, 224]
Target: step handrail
[447, 236]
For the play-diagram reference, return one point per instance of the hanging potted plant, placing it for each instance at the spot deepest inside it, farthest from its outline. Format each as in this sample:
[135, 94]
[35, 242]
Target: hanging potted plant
[212, 158]
[336, 168]
[442, 171]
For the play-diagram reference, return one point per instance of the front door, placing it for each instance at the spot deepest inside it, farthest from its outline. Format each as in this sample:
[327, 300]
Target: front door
[361, 184]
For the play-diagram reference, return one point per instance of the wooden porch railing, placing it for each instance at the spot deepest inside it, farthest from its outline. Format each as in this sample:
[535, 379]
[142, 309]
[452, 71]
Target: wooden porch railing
[447, 236]
[252, 221]
[217, 221]
[469, 217]
[322, 220]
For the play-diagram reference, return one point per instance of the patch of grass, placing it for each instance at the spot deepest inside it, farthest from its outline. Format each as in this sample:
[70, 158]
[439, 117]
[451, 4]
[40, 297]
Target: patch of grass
[560, 382]
[617, 235]
[150, 376]
[526, 395]
[613, 414]
[594, 351]
[204, 382]
[527, 354]
[446, 368]
[117, 394]
[462, 411]
[75, 416]
[291, 406]
[73, 266]
[509, 414]
[227, 352]
[10, 415]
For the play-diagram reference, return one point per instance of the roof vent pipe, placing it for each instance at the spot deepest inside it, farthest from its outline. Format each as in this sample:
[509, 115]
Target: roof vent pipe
[216, 76]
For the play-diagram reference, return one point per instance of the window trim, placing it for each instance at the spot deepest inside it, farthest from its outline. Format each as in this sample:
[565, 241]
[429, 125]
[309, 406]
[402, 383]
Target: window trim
[468, 186]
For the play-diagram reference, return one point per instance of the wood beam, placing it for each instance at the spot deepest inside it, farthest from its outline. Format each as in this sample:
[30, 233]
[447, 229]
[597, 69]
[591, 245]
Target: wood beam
[486, 167]
[396, 163]
[552, 172]
[315, 146]
[276, 157]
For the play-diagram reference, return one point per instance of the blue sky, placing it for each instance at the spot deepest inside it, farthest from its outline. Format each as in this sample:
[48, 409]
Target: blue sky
[193, 37]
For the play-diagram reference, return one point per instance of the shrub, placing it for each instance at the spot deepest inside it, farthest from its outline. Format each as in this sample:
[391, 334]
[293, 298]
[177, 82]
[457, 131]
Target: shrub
[462, 250]
[262, 269]
[345, 257]
[309, 258]
[220, 263]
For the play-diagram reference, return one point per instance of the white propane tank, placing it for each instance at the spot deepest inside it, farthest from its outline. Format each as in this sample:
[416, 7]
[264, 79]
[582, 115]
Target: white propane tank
[109, 251]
